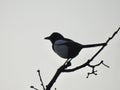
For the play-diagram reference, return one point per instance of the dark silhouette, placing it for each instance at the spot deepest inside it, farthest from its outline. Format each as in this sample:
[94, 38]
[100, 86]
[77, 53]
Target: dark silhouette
[67, 48]
[64, 67]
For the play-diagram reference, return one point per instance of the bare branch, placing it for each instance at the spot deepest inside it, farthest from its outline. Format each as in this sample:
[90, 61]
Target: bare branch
[59, 71]
[110, 38]
[41, 79]
[93, 68]
[106, 65]
[33, 87]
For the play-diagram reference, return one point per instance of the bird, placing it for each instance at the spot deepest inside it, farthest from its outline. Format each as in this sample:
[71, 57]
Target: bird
[67, 48]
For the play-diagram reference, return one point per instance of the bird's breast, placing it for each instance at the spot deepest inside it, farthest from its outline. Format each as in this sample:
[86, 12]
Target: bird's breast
[61, 50]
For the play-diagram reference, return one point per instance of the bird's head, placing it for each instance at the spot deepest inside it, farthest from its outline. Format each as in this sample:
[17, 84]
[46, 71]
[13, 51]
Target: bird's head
[54, 36]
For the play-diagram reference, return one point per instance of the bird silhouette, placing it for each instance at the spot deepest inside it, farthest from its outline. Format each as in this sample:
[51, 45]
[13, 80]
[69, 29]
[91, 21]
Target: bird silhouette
[67, 48]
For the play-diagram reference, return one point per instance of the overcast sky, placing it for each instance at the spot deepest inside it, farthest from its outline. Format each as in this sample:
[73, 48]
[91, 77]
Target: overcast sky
[23, 50]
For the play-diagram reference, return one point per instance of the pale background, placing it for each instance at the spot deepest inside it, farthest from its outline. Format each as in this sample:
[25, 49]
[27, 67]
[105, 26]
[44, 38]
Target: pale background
[23, 50]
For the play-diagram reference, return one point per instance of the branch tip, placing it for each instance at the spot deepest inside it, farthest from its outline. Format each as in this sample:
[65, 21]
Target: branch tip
[40, 78]
[38, 71]
[105, 65]
[33, 87]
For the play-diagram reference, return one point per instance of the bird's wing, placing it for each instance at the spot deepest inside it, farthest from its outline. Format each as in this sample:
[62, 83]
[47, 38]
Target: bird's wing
[67, 42]
[72, 47]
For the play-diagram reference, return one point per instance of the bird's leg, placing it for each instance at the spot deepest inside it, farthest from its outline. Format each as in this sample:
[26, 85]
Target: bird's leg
[67, 61]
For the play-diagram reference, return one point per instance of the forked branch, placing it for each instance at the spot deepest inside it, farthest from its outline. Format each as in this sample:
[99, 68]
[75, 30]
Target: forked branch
[64, 67]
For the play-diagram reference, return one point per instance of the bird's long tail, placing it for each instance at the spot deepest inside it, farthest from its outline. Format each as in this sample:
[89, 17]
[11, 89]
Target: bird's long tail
[94, 45]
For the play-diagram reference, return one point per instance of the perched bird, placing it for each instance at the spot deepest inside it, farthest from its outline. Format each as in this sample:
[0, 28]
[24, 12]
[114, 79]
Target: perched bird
[67, 48]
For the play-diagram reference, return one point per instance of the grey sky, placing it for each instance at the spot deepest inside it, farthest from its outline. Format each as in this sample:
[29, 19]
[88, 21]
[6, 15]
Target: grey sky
[23, 50]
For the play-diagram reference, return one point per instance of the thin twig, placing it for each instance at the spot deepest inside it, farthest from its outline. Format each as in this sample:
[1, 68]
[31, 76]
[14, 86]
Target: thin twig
[93, 68]
[33, 87]
[106, 65]
[41, 79]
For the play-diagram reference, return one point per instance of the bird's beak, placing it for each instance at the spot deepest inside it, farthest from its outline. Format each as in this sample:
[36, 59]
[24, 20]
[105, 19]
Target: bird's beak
[47, 38]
